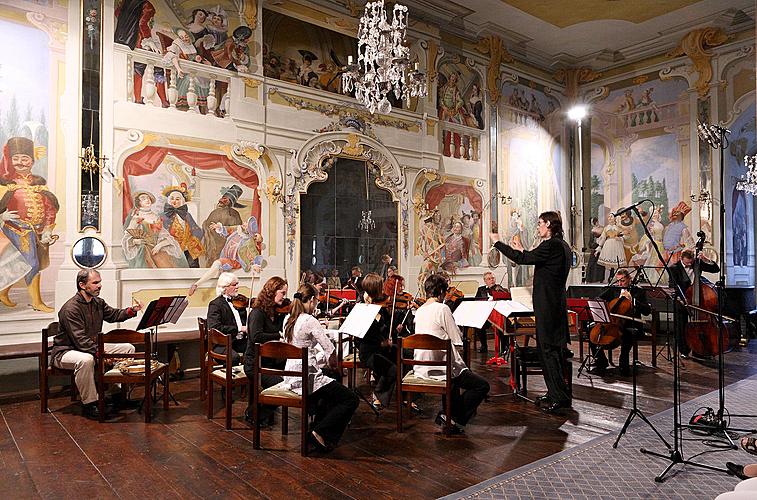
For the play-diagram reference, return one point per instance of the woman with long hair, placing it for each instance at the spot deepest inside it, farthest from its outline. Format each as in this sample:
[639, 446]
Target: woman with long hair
[434, 317]
[330, 402]
[264, 323]
[376, 348]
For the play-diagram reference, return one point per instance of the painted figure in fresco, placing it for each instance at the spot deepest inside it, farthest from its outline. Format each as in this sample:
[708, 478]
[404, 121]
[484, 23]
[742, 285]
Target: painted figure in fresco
[146, 243]
[429, 247]
[242, 250]
[27, 211]
[475, 239]
[226, 214]
[134, 29]
[629, 228]
[272, 67]
[200, 33]
[458, 247]
[517, 275]
[646, 255]
[739, 224]
[183, 48]
[594, 271]
[180, 223]
[218, 28]
[611, 250]
[476, 105]
[306, 70]
[452, 107]
[677, 236]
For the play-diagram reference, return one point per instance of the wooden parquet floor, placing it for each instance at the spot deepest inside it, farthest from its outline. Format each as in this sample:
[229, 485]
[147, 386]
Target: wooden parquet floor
[182, 454]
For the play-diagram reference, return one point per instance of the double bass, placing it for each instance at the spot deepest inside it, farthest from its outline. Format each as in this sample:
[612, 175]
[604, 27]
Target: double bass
[702, 331]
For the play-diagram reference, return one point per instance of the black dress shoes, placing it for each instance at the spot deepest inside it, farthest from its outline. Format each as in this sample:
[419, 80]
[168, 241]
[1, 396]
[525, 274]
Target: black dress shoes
[92, 411]
[119, 402]
[736, 470]
[541, 400]
[555, 407]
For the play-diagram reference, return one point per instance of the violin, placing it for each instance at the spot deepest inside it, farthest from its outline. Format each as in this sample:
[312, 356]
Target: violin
[453, 295]
[240, 301]
[284, 308]
[404, 300]
[702, 332]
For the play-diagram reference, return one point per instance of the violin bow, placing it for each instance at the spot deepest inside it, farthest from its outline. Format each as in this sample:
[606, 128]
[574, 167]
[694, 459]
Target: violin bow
[252, 284]
[417, 294]
[394, 302]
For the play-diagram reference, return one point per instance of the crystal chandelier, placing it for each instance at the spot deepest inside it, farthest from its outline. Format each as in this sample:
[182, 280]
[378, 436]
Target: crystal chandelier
[748, 183]
[383, 63]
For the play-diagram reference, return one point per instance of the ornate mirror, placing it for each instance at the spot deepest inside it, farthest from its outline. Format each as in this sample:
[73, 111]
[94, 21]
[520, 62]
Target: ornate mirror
[89, 252]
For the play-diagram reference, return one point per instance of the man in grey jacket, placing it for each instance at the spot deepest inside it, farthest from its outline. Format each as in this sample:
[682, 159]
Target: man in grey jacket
[80, 320]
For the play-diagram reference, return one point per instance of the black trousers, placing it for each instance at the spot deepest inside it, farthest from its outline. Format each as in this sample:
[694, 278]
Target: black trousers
[468, 391]
[266, 381]
[626, 344]
[237, 346]
[332, 407]
[385, 371]
[552, 359]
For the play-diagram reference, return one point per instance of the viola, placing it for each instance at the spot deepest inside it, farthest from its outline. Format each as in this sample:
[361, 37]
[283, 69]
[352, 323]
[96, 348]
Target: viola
[404, 300]
[609, 334]
[453, 295]
[702, 332]
[240, 301]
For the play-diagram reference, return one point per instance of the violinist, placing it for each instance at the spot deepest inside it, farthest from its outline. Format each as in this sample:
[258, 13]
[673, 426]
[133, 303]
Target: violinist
[485, 292]
[682, 274]
[400, 302]
[225, 315]
[265, 323]
[376, 349]
[640, 306]
[356, 282]
[386, 262]
[333, 281]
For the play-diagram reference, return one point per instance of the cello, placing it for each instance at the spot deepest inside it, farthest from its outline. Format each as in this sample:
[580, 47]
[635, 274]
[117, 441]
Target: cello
[608, 335]
[702, 332]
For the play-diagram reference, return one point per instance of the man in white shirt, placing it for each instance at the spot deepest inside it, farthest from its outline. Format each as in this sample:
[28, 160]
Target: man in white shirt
[226, 318]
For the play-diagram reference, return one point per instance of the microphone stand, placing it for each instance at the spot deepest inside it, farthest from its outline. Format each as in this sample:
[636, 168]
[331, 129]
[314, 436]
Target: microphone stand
[675, 454]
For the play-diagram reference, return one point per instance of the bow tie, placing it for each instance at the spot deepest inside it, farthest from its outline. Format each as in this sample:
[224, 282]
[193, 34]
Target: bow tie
[229, 299]
[170, 211]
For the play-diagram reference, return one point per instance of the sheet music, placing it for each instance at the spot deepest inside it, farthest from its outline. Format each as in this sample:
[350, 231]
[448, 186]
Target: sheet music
[178, 304]
[523, 295]
[360, 319]
[507, 307]
[473, 312]
[598, 310]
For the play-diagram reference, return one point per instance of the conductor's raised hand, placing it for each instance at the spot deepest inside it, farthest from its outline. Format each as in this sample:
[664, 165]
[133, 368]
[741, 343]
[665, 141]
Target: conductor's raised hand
[137, 306]
[494, 237]
[516, 244]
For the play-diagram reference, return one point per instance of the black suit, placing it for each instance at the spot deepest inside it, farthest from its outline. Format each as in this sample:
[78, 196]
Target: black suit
[679, 276]
[357, 285]
[640, 307]
[222, 319]
[551, 261]
[262, 329]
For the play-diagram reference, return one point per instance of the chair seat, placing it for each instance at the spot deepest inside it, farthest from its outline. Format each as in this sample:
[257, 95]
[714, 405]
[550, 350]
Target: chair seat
[411, 379]
[280, 390]
[237, 373]
[351, 358]
[115, 372]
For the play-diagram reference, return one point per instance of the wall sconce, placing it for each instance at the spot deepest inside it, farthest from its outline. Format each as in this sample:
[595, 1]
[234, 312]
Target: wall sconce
[504, 198]
[88, 162]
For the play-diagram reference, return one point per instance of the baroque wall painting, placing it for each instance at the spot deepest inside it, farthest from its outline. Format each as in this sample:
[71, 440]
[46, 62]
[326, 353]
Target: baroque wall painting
[190, 209]
[598, 166]
[525, 103]
[739, 205]
[28, 206]
[459, 95]
[303, 53]
[212, 34]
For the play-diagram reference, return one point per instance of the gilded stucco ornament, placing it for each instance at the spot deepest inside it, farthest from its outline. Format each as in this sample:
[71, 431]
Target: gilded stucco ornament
[695, 45]
[573, 77]
[495, 48]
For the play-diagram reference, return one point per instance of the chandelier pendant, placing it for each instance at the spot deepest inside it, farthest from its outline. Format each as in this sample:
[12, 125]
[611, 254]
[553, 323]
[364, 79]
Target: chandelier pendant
[383, 64]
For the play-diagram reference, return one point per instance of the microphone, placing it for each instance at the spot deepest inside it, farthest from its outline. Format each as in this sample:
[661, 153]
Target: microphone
[628, 208]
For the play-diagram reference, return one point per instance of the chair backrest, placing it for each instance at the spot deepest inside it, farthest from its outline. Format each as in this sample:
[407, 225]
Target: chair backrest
[216, 338]
[124, 335]
[51, 331]
[427, 342]
[202, 327]
[280, 350]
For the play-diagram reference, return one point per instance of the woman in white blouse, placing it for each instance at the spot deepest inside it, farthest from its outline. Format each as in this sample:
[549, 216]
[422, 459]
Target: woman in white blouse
[434, 317]
[330, 402]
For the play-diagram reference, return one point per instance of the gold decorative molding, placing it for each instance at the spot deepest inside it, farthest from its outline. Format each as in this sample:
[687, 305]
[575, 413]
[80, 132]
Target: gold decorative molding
[433, 56]
[573, 77]
[495, 48]
[250, 13]
[251, 82]
[695, 45]
[353, 148]
[273, 190]
[341, 111]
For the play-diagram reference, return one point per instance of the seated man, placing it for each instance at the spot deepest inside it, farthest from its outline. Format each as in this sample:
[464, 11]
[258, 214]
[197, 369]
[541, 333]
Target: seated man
[225, 317]
[640, 306]
[485, 291]
[81, 319]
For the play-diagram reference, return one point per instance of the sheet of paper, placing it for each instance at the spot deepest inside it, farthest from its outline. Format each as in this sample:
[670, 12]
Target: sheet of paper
[598, 309]
[473, 312]
[360, 320]
[524, 295]
[507, 307]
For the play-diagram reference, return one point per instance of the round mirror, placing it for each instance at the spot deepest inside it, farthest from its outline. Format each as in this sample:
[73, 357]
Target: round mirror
[88, 252]
[575, 259]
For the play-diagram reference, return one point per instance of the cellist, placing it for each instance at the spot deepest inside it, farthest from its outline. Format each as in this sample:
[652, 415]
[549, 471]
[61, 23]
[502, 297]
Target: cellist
[639, 306]
[682, 274]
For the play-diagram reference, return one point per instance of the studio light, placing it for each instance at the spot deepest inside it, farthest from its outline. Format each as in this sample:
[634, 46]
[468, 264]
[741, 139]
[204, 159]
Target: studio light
[577, 113]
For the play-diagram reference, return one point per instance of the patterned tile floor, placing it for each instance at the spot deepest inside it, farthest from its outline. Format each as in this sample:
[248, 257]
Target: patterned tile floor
[597, 471]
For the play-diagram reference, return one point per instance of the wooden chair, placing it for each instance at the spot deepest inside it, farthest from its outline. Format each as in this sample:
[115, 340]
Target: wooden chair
[277, 395]
[411, 383]
[227, 376]
[350, 362]
[147, 378]
[46, 369]
[202, 327]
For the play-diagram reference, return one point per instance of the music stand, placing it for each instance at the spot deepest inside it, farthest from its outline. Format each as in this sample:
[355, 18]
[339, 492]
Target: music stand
[356, 325]
[158, 312]
[589, 310]
[473, 314]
